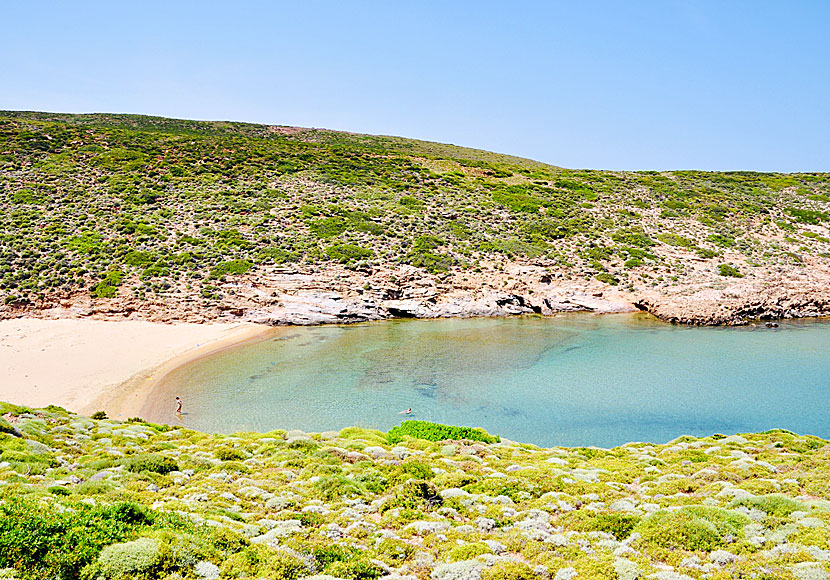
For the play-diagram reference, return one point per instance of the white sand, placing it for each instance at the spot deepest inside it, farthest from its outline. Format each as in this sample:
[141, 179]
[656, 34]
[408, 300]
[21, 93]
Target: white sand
[80, 364]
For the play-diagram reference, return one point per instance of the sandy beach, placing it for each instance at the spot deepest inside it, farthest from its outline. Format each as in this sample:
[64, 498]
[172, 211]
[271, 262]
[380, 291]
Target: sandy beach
[86, 365]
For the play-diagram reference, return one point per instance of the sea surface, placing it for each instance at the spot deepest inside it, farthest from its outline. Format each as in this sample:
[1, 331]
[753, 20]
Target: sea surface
[574, 380]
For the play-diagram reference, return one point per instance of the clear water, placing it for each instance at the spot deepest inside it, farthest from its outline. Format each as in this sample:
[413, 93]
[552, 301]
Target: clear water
[568, 380]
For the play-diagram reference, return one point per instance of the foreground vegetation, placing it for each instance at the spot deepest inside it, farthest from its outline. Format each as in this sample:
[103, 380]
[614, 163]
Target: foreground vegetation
[148, 208]
[98, 498]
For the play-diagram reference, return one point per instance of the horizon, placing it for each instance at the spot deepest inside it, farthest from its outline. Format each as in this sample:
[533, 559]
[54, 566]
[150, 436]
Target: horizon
[649, 86]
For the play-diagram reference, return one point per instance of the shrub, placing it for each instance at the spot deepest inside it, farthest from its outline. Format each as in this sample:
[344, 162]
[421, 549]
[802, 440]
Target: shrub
[729, 270]
[227, 541]
[691, 528]
[347, 253]
[721, 240]
[357, 569]
[287, 567]
[774, 504]
[422, 256]
[508, 571]
[516, 199]
[617, 524]
[438, 432]
[326, 555]
[807, 216]
[336, 487]
[244, 564]
[411, 470]
[6, 427]
[676, 240]
[128, 560]
[372, 481]
[394, 552]
[633, 237]
[99, 415]
[151, 462]
[235, 466]
[328, 227]
[228, 454]
[468, 552]
[607, 278]
[49, 543]
[414, 494]
[230, 267]
[108, 285]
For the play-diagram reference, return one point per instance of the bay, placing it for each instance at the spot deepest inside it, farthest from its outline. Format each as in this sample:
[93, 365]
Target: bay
[574, 380]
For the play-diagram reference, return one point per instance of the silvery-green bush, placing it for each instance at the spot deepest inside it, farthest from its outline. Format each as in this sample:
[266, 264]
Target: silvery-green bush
[128, 559]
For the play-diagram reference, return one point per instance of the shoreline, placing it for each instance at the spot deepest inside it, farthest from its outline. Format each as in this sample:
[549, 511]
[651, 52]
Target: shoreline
[135, 394]
[87, 365]
[128, 392]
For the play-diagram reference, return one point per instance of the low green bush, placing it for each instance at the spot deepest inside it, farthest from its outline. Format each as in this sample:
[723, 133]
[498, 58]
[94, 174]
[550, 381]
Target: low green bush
[411, 469]
[692, 528]
[356, 569]
[468, 551]
[151, 462]
[414, 494]
[394, 552]
[136, 559]
[607, 278]
[6, 427]
[347, 253]
[617, 524]
[229, 454]
[336, 487]
[230, 267]
[326, 555]
[676, 240]
[729, 271]
[108, 286]
[773, 504]
[438, 432]
[807, 216]
[51, 543]
[282, 566]
[508, 571]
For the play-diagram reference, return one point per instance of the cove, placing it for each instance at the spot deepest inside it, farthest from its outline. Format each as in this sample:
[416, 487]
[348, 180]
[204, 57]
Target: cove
[573, 380]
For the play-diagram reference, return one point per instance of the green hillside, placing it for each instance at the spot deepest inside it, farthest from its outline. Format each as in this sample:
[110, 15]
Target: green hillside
[148, 206]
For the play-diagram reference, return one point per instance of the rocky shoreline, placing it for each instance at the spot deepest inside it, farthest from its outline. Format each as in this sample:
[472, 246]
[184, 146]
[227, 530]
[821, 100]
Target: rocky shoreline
[337, 295]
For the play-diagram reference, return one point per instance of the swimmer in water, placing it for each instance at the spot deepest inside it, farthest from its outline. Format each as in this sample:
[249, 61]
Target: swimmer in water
[178, 405]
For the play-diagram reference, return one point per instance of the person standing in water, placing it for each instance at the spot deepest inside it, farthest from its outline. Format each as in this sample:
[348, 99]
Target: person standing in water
[178, 406]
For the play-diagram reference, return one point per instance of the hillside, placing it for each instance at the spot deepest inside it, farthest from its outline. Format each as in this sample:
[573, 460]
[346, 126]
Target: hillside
[164, 219]
[84, 498]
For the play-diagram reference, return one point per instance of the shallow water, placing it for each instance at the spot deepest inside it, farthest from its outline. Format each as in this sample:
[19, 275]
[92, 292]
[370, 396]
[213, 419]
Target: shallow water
[567, 380]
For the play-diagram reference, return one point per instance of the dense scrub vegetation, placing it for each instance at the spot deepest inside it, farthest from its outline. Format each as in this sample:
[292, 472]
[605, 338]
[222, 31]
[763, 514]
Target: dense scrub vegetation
[143, 206]
[89, 499]
[437, 432]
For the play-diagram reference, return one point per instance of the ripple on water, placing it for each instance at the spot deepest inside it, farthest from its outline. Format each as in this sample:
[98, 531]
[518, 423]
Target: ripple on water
[567, 380]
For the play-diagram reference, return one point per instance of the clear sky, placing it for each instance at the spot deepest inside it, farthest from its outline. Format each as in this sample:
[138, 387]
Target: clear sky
[627, 84]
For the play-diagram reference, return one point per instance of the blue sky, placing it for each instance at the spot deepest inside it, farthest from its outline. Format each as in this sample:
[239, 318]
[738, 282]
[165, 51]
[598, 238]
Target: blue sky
[608, 85]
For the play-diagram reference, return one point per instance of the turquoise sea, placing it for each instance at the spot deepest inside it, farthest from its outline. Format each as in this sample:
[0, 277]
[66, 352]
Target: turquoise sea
[566, 380]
